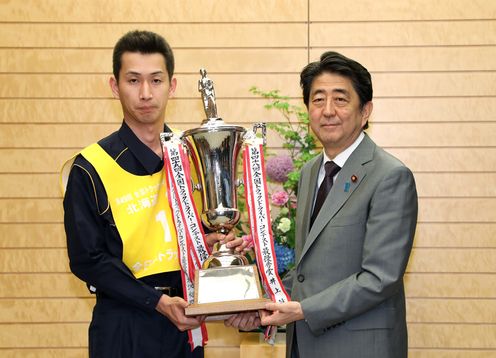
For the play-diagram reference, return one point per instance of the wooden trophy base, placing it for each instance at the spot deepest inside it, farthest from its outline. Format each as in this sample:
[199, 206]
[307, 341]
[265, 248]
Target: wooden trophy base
[226, 290]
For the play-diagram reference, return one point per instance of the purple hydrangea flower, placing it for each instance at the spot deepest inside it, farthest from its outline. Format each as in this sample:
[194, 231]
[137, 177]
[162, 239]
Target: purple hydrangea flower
[278, 168]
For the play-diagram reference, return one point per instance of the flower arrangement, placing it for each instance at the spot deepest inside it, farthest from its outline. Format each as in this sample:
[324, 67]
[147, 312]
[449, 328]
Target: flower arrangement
[283, 172]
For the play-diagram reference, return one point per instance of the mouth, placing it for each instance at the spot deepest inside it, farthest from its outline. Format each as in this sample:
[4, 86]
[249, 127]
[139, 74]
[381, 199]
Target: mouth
[146, 109]
[329, 125]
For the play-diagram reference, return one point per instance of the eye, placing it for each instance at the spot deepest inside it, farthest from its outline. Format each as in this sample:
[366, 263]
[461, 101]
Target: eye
[341, 100]
[133, 80]
[317, 100]
[157, 81]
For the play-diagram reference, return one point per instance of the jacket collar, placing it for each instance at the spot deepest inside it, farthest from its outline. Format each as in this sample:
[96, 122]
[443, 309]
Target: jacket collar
[150, 161]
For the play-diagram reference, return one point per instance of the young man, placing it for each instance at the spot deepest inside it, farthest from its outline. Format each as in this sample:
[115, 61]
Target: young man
[120, 234]
[356, 219]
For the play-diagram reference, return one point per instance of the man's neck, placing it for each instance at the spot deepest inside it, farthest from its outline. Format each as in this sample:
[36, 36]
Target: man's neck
[342, 156]
[149, 134]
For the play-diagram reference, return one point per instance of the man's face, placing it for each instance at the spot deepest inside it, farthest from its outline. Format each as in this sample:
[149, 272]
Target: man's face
[334, 112]
[144, 88]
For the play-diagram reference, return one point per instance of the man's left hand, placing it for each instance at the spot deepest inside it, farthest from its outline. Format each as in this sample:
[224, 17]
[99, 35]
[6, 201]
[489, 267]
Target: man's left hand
[279, 314]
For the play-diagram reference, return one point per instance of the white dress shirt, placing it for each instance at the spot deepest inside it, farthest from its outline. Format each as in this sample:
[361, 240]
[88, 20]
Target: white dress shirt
[340, 160]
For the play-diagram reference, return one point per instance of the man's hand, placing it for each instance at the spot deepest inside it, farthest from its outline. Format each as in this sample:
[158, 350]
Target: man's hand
[279, 314]
[245, 321]
[231, 241]
[173, 309]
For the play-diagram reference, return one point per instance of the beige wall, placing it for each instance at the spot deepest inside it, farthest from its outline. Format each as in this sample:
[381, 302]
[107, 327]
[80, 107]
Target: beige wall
[434, 71]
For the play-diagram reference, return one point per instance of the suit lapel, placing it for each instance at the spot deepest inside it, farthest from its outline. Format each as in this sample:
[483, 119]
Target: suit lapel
[341, 191]
[306, 195]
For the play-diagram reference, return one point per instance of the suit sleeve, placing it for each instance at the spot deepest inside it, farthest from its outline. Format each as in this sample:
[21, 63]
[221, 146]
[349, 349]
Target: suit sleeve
[287, 281]
[389, 232]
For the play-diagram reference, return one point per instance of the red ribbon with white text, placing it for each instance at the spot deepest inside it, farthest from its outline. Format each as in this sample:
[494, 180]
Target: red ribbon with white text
[193, 249]
[260, 224]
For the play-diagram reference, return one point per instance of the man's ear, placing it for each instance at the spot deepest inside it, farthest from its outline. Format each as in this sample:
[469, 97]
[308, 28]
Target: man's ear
[366, 112]
[172, 87]
[114, 87]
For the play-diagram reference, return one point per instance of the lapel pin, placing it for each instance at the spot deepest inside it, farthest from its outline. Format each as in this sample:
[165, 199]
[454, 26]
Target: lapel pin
[354, 178]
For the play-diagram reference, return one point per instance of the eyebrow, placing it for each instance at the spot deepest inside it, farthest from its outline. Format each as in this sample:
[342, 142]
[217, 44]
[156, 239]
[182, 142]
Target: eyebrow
[342, 91]
[336, 90]
[135, 73]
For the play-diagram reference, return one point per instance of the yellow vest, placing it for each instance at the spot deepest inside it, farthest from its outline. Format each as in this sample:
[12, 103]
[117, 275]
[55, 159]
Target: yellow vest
[142, 215]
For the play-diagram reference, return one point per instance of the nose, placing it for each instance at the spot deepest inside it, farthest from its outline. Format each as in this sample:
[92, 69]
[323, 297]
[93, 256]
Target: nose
[145, 91]
[329, 109]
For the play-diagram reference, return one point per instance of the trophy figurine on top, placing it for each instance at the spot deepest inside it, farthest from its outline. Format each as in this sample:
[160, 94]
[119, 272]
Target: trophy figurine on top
[221, 282]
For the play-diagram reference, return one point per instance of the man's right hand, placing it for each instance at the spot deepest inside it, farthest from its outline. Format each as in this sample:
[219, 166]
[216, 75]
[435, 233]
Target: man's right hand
[173, 309]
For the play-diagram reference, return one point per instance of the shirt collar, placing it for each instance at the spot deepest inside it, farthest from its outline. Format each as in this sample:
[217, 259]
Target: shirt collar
[150, 161]
[342, 157]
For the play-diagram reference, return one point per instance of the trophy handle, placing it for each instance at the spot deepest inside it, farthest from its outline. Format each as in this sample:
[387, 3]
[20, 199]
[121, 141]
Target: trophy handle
[252, 135]
[166, 136]
[263, 127]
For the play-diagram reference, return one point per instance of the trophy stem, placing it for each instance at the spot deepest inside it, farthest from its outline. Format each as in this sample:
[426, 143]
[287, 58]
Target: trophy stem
[222, 256]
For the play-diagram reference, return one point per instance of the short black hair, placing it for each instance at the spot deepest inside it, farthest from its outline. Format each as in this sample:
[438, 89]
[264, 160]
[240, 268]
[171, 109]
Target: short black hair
[333, 62]
[145, 42]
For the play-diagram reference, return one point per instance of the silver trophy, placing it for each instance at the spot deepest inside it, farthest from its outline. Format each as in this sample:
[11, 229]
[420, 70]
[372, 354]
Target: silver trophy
[214, 148]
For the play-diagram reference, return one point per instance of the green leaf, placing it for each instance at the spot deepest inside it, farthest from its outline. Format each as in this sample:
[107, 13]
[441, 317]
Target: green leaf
[300, 144]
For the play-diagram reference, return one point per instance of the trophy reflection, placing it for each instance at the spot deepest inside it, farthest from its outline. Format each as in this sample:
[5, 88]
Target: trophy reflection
[226, 283]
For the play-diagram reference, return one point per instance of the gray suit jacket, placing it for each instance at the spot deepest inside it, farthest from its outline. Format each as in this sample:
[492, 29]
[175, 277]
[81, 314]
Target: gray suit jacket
[350, 265]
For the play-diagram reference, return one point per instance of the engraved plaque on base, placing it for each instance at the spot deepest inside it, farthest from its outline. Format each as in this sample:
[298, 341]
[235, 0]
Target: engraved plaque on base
[223, 290]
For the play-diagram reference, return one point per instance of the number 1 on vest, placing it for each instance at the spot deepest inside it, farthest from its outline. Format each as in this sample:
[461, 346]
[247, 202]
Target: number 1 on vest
[160, 217]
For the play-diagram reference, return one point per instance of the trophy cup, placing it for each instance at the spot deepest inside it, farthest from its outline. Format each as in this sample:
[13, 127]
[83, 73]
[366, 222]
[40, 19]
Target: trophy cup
[226, 283]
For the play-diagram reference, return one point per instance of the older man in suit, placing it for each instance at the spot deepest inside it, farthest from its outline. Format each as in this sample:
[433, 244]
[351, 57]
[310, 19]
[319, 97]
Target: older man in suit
[357, 213]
